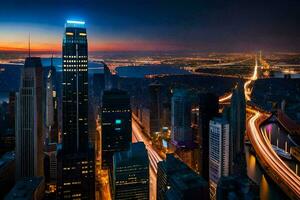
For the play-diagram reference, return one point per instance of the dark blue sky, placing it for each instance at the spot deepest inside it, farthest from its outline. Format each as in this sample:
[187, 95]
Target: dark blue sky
[216, 25]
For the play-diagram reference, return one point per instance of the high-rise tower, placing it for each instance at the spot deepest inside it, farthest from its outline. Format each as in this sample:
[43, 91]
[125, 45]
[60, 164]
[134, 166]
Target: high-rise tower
[155, 93]
[237, 130]
[208, 109]
[181, 118]
[116, 124]
[51, 107]
[29, 125]
[218, 152]
[77, 162]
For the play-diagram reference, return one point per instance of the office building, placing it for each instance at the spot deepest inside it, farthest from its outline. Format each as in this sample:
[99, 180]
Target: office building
[29, 188]
[208, 109]
[108, 78]
[131, 173]
[181, 132]
[11, 110]
[7, 126]
[50, 170]
[218, 152]
[235, 187]
[116, 124]
[51, 107]
[29, 121]
[175, 180]
[155, 97]
[237, 121]
[76, 157]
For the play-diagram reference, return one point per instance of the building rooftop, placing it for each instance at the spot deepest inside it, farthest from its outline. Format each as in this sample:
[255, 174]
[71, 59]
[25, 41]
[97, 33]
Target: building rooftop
[75, 24]
[188, 180]
[33, 62]
[137, 152]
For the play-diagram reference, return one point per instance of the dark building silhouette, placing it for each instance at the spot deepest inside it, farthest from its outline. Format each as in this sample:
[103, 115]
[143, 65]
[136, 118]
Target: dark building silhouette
[7, 172]
[108, 78]
[11, 110]
[116, 124]
[77, 157]
[181, 131]
[175, 180]
[50, 170]
[237, 119]
[131, 173]
[51, 107]
[7, 124]
[155, 94]
[27, 188]
[235, 187]
[208, 109]
[29, 120]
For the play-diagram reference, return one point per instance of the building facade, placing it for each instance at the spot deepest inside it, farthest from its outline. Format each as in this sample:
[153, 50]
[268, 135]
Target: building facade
[175, 180]
[76, 157]
[208, 108]
[155, 94]
[181, 132]
[131, 173]
[29, 121]
[237, 121]
[218, 152]
[116, 124]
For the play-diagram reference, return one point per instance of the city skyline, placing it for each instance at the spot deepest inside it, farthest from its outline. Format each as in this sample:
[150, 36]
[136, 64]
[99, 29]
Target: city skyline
[229, 26]
[168, 121]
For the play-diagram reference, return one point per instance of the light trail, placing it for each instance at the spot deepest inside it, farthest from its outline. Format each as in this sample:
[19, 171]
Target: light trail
[285, 177]
[263, 148]
[154, 158]
[247, 89]
[225, 98]
[246, 86]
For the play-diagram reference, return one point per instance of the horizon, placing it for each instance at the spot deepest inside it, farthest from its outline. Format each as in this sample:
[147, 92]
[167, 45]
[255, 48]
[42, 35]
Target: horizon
[215, 26]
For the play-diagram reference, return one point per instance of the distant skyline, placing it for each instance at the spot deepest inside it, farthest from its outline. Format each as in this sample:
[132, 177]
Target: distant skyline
[144, 25]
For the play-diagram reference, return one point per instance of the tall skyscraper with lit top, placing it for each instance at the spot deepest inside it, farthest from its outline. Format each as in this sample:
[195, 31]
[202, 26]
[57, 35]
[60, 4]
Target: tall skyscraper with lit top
[77, 162]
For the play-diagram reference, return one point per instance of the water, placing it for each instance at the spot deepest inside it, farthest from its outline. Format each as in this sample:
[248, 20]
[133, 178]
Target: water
[268, 189]
[142, 71]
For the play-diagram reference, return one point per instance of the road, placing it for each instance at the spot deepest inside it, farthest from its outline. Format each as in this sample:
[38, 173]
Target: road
[272, 163]
[154, 157]
[247, 85]
[276, 168]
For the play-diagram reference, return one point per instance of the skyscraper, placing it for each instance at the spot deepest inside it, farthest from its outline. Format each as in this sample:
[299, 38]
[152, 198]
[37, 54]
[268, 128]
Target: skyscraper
[116, 124]
[155, 94]
[218, 152]
[175, 180]
[181, 132]
[29, 124]
[51, 107]
[131, 173]
[77, 175]
[237, 130]
[208, 108]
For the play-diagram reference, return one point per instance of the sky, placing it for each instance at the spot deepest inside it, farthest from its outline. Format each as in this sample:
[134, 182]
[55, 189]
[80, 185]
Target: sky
[154, 25]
